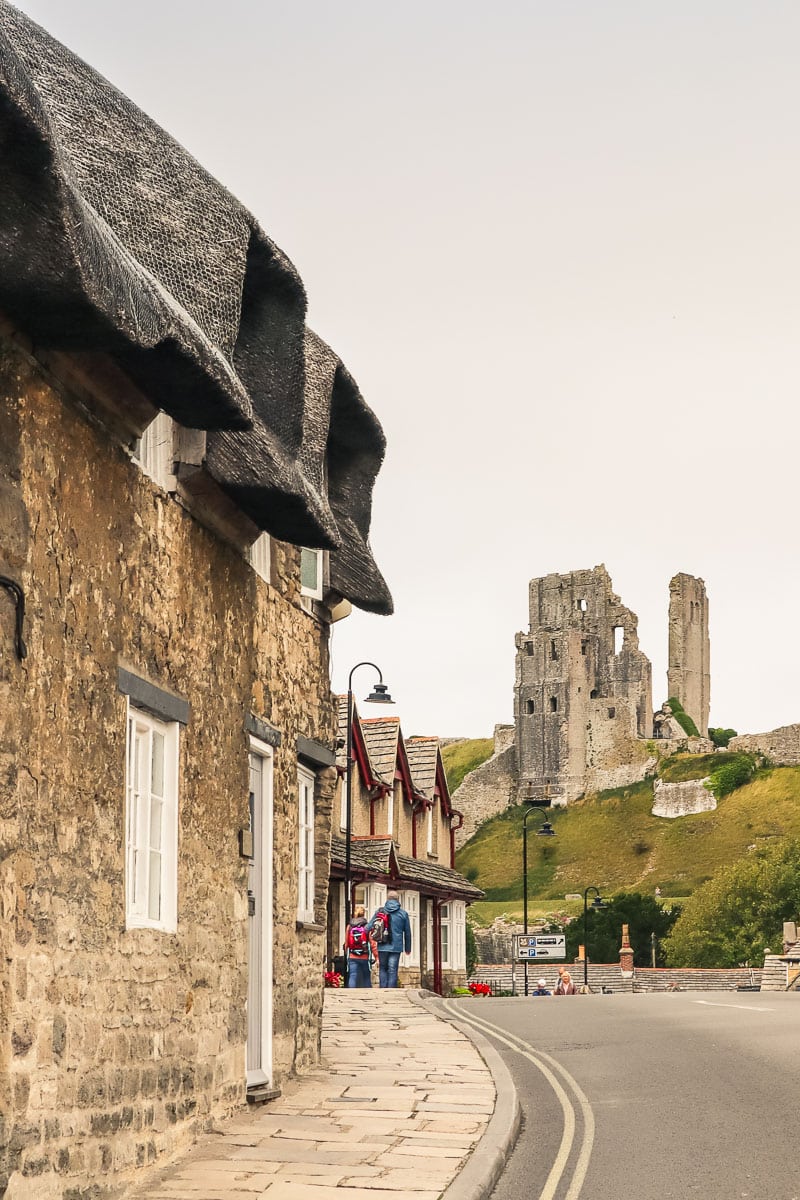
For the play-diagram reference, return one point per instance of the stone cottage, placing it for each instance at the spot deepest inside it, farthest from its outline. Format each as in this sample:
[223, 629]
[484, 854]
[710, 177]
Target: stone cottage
[185, 493]
[403, 828]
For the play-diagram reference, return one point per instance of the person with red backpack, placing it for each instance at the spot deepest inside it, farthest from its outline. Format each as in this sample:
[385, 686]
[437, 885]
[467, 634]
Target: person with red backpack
[360, 947]
[391, 928]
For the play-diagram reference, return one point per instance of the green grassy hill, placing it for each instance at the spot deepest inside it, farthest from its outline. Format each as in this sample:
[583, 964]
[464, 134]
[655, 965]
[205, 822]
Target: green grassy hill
[460, 758]
[612, 842]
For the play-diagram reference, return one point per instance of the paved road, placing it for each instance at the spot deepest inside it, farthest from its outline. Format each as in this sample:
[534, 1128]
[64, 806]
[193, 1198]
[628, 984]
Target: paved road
[661, 1097]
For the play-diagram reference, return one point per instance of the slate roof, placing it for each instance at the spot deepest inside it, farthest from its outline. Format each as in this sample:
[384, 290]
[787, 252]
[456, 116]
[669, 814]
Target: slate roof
[423, 756]
[381, 735]
[373, 855]
[114, 239]
[792, 953]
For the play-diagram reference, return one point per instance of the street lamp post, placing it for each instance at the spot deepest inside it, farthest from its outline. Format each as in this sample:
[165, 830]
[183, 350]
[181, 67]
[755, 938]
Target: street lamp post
[379, 695]
[597, 904]
[546, 830]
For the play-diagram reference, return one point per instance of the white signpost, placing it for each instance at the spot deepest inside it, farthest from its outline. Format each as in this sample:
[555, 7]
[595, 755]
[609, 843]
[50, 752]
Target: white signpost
[530, 947]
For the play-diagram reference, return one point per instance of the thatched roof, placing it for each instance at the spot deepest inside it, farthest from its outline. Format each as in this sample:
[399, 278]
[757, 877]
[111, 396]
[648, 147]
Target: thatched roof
[114, 239]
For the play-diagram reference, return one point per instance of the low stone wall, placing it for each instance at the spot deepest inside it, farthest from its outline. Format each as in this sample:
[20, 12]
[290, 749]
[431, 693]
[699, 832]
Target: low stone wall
[682, 799]
[780, 746]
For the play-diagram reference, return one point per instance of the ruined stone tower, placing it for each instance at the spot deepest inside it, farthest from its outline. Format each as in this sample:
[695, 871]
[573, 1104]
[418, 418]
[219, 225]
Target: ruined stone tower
[689, 671]
[583, 689]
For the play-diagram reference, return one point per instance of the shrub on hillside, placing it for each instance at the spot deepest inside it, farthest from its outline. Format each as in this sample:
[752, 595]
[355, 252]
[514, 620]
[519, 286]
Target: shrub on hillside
[731, 775]
[684, 720]
[721, 737]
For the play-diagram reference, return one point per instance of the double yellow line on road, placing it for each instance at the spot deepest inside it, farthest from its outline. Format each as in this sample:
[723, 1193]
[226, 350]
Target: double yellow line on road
[551, 1070]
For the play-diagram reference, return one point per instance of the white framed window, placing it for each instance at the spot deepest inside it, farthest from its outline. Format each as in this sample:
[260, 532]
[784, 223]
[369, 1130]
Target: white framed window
[447, 941]
[154, 452]
[410, 902]
[260, 556]
[151, 823]
[305, 898]
[311, 562]
[458, 935]
[372, 896]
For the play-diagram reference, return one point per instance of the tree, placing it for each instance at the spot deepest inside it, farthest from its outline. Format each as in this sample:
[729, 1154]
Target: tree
[720, 737]
[740, 911]
[642, 914]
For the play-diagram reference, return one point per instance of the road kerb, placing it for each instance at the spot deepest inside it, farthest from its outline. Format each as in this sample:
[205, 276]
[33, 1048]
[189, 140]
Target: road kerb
[476, 1179]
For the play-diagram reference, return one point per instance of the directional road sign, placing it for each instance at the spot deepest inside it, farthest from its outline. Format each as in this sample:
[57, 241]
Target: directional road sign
[528, 947]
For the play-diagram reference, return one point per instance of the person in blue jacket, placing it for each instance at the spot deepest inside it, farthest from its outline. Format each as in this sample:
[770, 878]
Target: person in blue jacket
[399, 940]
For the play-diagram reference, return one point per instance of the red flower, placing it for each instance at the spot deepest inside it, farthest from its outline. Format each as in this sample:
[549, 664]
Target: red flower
[333, 979]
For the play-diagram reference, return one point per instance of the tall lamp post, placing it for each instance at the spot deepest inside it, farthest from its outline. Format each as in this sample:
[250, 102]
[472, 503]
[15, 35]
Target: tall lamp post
[597, 904]
[545, 830]
[379, 695]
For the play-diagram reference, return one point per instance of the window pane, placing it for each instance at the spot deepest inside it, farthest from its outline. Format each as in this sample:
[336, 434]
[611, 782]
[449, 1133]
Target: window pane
[157, 771]
[154, 887]
[156, 818]
[309, 569]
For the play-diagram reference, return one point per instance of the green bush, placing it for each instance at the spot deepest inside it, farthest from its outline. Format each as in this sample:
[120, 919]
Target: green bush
[684, 720]
[731, 775]
[721, 737]
[472, 949]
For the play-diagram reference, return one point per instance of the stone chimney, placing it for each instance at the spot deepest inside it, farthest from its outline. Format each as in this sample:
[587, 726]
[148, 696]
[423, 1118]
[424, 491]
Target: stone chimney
[626, 954]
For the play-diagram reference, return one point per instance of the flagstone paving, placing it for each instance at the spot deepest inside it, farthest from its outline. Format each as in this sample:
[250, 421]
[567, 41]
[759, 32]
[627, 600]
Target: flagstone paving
[400, 1103]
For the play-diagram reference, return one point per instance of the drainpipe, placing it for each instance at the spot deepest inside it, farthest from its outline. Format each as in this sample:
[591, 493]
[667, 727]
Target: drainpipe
[453, 830]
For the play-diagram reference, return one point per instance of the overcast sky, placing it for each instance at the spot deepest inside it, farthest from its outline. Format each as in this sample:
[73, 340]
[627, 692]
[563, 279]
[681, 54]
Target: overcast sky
[557, 246]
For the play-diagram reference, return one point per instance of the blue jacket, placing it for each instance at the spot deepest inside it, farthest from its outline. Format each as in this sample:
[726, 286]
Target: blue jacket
[399, 927]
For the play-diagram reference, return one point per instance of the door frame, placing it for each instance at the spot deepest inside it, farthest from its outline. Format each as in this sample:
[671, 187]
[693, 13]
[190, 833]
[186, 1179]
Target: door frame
[258, 1059]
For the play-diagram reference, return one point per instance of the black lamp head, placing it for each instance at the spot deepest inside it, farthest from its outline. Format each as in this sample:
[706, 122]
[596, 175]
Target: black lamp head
[546, 830]
[379, 695]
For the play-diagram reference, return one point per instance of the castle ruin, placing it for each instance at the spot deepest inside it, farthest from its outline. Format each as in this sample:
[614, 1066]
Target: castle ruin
[583, 703]
[583, 696]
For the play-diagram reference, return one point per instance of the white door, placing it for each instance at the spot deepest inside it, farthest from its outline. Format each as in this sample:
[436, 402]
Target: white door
[259, 980]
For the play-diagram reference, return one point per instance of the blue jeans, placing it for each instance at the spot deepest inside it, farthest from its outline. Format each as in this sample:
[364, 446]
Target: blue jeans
[388, 964]
[358, 972]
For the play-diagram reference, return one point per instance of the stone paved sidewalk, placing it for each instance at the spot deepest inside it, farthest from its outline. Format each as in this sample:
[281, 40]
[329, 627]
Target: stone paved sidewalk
[403, 1100]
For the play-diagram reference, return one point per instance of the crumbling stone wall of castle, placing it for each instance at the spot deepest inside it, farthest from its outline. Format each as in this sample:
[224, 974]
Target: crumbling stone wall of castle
[682, 799]
[579, 661]
[490, 788]
[781, 746]
[689, 670]
[116, 1043]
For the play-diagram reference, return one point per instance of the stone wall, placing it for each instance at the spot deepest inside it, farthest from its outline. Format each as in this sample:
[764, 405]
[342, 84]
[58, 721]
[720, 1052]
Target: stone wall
[682, 799]
[689, 670]
[780, 746]
[486, 791]
[116, 1044]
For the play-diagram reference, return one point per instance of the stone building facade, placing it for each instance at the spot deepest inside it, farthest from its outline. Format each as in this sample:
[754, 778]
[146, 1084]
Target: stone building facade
[185, 489]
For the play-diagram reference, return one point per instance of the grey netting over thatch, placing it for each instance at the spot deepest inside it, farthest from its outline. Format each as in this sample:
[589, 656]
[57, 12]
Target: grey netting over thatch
[113, 239]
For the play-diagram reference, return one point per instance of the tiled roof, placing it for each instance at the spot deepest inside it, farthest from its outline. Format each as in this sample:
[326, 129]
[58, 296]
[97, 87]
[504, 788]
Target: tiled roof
[374, 854]
[423, 755]
[437, 876]
[792, 952]
[381, 735]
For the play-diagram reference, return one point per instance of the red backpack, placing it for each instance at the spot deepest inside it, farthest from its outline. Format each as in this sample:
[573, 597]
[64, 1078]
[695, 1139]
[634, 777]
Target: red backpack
[358, 939]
